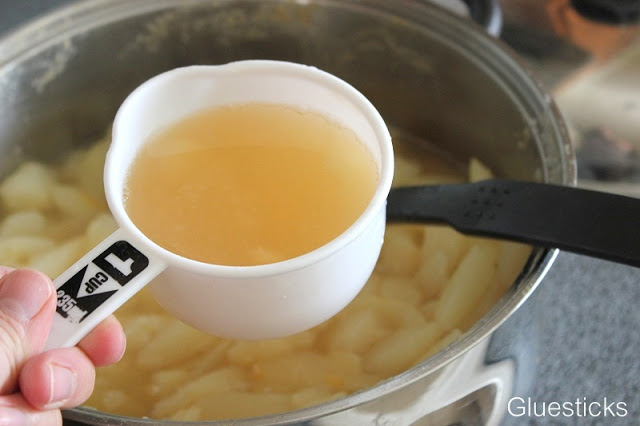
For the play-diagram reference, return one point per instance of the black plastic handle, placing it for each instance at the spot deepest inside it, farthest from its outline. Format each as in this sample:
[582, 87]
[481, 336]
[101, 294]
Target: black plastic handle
[609, 11]
[588, 222]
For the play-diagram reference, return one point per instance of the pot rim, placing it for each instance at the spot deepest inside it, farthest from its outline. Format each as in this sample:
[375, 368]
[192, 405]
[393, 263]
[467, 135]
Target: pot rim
[68, 21]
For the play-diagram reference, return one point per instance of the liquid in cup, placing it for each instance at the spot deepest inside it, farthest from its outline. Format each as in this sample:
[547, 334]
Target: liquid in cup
[249, 184]
[245, 302]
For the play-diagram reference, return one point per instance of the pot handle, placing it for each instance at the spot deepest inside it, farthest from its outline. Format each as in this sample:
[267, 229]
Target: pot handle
[491, 384]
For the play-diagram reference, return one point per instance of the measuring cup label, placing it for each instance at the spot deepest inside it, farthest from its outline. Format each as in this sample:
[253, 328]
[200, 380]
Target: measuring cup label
[97, 281]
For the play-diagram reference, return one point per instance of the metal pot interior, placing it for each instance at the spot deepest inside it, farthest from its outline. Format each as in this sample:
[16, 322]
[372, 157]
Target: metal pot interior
[431, 75]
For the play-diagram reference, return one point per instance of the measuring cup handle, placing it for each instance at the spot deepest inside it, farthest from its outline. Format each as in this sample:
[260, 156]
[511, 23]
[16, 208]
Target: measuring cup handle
[98, 284]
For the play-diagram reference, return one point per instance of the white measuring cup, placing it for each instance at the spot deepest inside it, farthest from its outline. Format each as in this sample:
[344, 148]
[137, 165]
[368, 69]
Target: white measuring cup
[244, 302]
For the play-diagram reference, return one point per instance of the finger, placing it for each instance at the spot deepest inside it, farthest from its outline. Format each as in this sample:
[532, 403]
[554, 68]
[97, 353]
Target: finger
[105, 344]
[27, 305]
[59, 378]
[14, 410]
[4, 270]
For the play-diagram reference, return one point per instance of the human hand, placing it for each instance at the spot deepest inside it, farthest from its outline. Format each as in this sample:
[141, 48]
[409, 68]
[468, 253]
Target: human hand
[35, 385]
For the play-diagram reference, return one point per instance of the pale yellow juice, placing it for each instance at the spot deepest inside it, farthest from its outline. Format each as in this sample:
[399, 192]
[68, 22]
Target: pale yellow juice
[249, 184]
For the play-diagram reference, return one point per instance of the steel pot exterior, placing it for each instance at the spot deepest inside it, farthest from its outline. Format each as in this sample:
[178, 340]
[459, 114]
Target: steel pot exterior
[428, 72]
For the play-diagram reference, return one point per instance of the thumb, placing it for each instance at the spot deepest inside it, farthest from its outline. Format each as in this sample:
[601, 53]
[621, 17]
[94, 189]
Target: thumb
[26, 312]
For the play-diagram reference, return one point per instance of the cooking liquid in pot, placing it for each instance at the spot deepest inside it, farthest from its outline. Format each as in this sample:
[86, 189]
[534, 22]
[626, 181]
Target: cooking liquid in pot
[250, 184]
[429, 286]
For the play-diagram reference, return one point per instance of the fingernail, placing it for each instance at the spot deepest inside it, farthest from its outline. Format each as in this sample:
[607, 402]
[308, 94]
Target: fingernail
[10, 416]
[23, 294]
[62, 385]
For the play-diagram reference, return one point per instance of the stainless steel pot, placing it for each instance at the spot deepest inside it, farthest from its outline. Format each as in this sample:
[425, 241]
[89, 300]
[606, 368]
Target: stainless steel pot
[431, 74]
